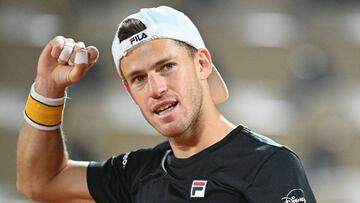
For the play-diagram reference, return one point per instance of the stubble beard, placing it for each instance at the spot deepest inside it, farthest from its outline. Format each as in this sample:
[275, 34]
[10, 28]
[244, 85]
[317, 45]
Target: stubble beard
[188, 125]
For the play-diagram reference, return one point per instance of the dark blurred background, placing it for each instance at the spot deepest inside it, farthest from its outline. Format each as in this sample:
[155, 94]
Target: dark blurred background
[292, 67]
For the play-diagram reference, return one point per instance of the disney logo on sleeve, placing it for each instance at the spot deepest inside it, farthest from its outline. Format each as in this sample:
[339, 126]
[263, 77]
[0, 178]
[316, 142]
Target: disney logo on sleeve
[295, 196]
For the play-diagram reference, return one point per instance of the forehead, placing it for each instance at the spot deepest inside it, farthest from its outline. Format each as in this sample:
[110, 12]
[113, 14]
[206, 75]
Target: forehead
[150, 52]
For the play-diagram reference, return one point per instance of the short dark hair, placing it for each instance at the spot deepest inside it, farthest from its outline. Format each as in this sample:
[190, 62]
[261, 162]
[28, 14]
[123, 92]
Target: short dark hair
[132, 26]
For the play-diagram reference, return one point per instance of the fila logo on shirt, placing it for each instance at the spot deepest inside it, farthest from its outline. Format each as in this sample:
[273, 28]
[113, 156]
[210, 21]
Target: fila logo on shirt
[138, 38]
[198, 188]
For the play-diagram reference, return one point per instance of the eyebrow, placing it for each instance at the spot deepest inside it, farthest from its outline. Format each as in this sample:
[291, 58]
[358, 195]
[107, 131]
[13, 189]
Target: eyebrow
[162, 61]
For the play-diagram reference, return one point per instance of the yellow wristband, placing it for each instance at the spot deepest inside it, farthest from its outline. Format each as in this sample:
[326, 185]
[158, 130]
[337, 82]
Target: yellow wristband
[43, 113]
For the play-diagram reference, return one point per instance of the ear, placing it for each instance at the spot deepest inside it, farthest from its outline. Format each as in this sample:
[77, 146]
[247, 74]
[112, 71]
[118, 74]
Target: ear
[205, 62]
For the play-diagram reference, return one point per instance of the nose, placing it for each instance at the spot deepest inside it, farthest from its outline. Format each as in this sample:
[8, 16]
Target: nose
[156, 86]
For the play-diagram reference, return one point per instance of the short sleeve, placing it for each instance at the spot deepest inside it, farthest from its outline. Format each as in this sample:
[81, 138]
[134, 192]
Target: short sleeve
[110, 181]
[281, 179]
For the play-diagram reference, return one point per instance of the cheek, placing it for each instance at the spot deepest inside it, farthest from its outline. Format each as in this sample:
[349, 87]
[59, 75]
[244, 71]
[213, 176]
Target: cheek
[142, 105]
[138, 98]
[183, 79]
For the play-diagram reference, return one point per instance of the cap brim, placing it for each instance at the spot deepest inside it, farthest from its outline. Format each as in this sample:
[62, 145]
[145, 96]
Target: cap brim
[218, 89]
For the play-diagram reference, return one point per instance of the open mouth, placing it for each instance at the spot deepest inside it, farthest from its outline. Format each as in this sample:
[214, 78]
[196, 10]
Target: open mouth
[166, 108]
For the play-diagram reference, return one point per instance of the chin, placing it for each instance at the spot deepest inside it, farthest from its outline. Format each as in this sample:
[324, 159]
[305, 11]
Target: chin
[170, 130]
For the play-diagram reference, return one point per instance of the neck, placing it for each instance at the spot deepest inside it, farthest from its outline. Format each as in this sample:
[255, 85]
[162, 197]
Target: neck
[208, 129]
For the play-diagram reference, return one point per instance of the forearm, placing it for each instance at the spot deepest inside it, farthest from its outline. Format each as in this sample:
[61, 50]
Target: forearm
[44, 171]
[41, 155]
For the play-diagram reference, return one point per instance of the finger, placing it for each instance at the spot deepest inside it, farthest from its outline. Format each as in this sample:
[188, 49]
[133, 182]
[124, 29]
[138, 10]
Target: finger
[93, 54]
[78, 46]
[57, 45]
[66, 51]
[80, 67]
[82, 57]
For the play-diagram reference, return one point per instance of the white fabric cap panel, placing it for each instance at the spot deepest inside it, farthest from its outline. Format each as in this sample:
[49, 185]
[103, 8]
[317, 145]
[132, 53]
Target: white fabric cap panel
[166, 22]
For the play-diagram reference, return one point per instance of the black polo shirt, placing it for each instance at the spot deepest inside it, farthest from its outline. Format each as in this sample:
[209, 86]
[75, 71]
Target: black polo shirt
[244, 167]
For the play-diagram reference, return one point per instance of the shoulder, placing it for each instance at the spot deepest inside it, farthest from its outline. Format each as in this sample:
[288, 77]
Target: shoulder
[259, 151]
[133, 160]
[120, 173]
[278, 174]
[272, 157]
[261, 139]
[262, 144]
[150, 153]
[250, 151]
[144, 157]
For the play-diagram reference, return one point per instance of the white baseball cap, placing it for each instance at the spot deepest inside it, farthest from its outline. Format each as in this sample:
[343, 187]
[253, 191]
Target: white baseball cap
[166, 22]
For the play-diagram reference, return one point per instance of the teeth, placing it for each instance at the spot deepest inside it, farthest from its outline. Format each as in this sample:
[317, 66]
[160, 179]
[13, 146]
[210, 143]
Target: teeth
[165, 108]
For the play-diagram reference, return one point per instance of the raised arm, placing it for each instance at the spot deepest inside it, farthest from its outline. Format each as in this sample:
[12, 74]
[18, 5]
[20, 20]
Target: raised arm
[44, 171]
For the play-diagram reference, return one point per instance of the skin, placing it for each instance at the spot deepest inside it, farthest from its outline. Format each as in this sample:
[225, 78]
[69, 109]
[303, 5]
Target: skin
[164, 77]
[165, 74]
[44, 171]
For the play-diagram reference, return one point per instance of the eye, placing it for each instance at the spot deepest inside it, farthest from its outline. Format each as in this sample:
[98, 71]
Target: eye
[168, 67]
[138, 79]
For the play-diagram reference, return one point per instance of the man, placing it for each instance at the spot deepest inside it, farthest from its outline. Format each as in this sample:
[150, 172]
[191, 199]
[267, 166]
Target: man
[168, 72]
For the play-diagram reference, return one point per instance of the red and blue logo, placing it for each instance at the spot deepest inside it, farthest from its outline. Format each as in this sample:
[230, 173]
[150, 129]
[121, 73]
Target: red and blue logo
[198, 188]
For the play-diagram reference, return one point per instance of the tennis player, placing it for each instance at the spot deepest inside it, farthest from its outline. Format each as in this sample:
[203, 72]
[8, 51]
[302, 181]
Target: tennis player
[169, 74]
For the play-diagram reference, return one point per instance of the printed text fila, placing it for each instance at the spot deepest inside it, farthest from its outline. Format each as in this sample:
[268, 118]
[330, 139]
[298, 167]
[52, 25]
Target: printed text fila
[138, 37]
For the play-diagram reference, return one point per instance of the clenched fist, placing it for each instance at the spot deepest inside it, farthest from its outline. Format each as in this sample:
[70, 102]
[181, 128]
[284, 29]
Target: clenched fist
[63, 62]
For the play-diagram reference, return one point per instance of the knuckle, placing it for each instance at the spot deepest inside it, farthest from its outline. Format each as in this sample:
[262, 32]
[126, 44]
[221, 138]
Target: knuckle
[59, 37]
[57, 45]
[81, 44]
[57, 42]
[83, 49]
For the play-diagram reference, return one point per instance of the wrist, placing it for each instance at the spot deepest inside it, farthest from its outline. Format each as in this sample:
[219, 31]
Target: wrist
[48, 89]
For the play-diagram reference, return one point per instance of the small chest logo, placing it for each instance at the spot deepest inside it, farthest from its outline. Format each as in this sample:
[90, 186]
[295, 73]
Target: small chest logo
[295, 196]
[138, 38]
[198, 188]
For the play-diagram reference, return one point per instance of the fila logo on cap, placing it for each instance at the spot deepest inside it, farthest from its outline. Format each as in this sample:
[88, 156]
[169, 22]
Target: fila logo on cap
[198, 188]
[138, 37]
